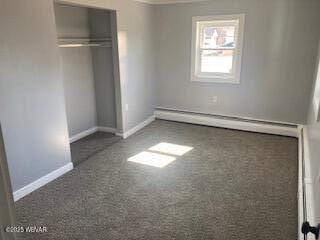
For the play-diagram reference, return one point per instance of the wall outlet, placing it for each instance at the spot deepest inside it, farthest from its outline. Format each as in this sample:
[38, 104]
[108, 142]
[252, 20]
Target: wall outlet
[127, 107]
[214, 100]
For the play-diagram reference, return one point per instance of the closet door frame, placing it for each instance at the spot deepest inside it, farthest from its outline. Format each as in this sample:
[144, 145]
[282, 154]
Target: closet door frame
[115, 59]
[7, 211]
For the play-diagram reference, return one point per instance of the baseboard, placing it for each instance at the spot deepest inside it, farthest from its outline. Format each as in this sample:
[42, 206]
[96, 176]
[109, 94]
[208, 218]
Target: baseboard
[107, 129]
[300, 183]
[225, 122]
[308, 178]
[41, 181]
[135, 129]
[227, 116]
[91, 131]
[305, 184]
[83, 134]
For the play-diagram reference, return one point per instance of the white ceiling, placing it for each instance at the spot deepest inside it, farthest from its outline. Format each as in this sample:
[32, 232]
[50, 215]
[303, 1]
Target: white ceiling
[168, 1]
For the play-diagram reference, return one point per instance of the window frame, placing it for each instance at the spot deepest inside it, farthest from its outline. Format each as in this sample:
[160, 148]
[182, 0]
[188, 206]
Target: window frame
[198, 23]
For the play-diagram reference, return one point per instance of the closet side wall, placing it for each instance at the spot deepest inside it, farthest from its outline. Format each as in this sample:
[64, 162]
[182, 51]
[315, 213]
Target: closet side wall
[77, 69]
[32, 107]
[102, 59]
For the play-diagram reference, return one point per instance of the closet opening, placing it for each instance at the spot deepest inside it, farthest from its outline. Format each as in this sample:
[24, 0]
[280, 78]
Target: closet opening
[87, 39]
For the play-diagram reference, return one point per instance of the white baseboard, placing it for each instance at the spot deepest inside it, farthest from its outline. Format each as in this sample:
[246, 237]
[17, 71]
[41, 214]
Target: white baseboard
[41, 181]
[135, 129]
[246, 125]
[300, 183]
[304, 155]
[225, 116]
[107, 129]
[83, 134]
[91, 131]
[308, 178]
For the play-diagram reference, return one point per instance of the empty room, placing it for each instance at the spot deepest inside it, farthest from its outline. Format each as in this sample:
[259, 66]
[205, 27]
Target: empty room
[159, 119]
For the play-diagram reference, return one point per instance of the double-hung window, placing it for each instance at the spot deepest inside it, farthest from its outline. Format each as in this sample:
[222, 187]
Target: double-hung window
[217, 48]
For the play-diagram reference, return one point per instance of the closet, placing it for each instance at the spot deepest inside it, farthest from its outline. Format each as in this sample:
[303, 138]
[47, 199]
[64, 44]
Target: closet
[86, 44]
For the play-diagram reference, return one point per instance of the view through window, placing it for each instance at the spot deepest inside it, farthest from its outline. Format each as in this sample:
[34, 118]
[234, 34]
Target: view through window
[217, 47]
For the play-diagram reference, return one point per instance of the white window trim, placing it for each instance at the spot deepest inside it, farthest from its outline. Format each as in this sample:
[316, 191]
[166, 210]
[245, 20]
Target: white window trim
[238, 50]
[316, 94]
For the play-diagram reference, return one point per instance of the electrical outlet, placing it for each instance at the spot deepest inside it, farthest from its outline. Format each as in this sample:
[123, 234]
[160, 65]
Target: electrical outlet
[127, 107]
[214, 100]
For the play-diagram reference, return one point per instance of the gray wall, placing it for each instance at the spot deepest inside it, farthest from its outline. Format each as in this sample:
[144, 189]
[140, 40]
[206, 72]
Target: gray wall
[79, 89]
[279, 48]
[104, 87]
[32, 107]
[71, 21]
[78, 78]
[313, 128]
[100, 23]
[136, 54]
[100, 27]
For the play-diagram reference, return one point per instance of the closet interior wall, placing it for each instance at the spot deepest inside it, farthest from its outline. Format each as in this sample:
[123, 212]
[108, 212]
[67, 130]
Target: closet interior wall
[87, 71]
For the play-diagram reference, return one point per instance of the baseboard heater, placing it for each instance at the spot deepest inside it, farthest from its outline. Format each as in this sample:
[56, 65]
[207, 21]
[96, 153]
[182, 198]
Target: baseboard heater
[305, 214]
[305, 204]
[231, 122]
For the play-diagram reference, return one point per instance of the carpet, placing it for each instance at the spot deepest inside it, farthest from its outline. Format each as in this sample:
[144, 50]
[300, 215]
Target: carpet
[84, 148]
[213, 184]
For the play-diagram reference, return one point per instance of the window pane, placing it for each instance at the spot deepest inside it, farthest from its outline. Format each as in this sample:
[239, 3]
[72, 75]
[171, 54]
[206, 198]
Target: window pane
[218, 61]
[218, 37]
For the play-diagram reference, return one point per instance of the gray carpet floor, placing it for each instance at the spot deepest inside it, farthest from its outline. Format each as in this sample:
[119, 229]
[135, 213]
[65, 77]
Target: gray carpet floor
[84, 148]
[231, 185]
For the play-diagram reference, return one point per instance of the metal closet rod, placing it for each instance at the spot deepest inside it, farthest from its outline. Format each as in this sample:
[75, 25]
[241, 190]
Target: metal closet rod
[84, 42]
[84, 39]
[65, 45]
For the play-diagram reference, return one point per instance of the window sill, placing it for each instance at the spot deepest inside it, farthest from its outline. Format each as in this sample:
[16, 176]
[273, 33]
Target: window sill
[215, 80]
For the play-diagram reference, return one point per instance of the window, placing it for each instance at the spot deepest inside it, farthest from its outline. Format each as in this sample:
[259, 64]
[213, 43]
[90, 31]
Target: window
[217, 48]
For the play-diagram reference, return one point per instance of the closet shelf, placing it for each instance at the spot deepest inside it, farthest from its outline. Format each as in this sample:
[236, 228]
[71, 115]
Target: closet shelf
[84, 42]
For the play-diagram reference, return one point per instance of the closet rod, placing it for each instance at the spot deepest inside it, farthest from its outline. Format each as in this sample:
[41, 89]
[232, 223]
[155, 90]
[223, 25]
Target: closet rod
[84, 39]
[84, 42]
[67, 45]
